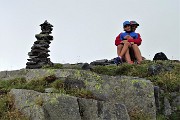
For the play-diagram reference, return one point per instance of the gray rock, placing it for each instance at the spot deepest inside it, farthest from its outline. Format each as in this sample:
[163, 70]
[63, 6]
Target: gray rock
[7, 75]
[154, 69]
[72, 84]
[157, 98]
[157, 68]
[135, 93]
[88, 109]
[121, 112]
[43, 106]
[100, 62]
[114, 111]
[62, 108]
[86, 66]
[176, 102]
[44, 37]
[42, 46]
[174, 94]
[99, 110]
[33, 66]
[111, 61]
[167, 107]
[103, 60]
[27, 102]
[49, 90]
[31, 63]
[32, 57]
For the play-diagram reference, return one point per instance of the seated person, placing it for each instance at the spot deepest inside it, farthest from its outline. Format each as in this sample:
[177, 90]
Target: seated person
[128, 37]
[123, 48]
[135, 48]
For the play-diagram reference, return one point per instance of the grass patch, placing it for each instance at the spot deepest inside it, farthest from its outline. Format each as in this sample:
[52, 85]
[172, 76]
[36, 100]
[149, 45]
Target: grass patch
[7, 110]
[124, 69]
[138, 114]
[168, 80]
[21, 83]
[7, 85]
[161, 117]
[83, 93]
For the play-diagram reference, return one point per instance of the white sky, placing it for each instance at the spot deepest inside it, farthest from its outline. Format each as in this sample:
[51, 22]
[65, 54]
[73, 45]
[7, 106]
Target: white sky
[85, 30]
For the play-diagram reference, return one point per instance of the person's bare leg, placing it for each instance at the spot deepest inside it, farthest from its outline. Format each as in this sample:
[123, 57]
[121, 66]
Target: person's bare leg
[119, 48]
[124, 49]
[127, 57]
[137, 53]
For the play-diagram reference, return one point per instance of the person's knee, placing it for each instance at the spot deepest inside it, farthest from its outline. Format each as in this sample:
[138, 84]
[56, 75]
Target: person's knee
[135, 45]
[135, 48]
[119, 46]
[127, 44]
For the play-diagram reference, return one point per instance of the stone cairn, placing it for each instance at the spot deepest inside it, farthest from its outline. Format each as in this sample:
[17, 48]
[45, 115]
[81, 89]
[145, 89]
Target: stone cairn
[39, 51]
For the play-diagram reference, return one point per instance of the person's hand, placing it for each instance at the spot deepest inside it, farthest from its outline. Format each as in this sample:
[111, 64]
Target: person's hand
[124, 41]
[128, 37]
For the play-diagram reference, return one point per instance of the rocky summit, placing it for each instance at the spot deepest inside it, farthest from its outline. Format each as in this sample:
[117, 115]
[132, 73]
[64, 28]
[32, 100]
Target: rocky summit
[95, 91]
[111, 98]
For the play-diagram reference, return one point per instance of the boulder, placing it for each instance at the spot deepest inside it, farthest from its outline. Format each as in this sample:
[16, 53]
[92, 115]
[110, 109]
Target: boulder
[157, 98]
[28, 102]
[167, 107]
[175, 101]
[100, 62]
[45, 106]
[157, 68]
[86, 66]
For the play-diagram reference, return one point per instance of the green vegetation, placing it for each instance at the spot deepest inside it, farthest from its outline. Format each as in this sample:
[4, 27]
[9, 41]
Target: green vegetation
[168, 80]
[21, 83]
[161, 117]
[40, 85]
[7, 110]
[137, 114]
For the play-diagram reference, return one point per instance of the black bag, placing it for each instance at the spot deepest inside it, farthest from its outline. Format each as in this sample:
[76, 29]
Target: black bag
[160, 56]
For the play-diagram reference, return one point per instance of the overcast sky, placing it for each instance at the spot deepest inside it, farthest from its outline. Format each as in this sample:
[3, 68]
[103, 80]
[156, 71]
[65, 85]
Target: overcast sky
[85, 30]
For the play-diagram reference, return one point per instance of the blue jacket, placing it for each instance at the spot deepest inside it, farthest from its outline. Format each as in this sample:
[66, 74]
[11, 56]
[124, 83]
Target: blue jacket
[132, 34]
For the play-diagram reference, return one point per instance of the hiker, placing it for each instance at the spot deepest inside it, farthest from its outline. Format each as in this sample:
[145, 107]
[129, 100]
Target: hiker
[136, 43]
[123, 46]
[129, 45]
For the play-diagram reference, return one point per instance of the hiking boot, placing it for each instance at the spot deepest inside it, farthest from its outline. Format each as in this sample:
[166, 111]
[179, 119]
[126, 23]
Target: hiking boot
[117, 60]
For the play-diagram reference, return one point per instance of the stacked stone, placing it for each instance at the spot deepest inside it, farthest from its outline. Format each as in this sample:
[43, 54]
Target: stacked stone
[39, 51]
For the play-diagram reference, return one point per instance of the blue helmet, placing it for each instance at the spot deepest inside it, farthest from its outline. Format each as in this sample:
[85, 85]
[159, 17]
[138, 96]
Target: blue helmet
[126, 23]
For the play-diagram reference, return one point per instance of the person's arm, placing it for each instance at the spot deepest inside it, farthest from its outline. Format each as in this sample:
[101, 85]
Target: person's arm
[117, 40]
[136, 41]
